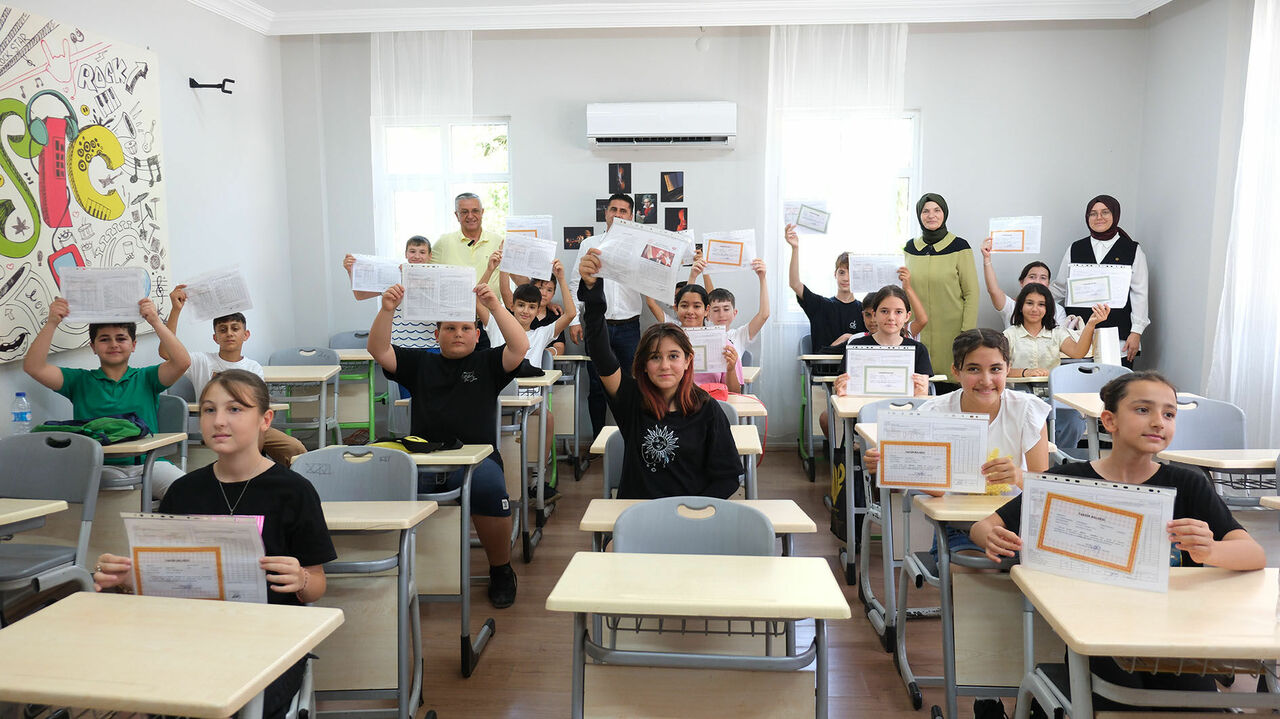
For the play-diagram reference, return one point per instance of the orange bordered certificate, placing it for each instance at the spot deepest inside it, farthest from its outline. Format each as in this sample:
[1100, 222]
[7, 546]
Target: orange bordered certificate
[915, 465]
[1090, 532]
[185, 572]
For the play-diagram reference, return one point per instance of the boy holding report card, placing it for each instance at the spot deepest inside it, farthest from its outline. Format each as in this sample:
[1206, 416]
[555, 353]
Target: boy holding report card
[1140, 411]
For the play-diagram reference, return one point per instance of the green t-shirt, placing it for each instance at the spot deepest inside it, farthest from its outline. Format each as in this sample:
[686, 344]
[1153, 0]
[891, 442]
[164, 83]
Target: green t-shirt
[94, 395]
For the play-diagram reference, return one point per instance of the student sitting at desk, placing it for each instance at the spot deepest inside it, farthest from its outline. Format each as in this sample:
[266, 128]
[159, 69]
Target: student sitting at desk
[832, 320]
[1140, 412]
[455, 397]
[234, 412]
[691, 311]
[723, 310]
[677, 439]
[115, 387]
[229, 332]
[1031, 272]
[548, 311]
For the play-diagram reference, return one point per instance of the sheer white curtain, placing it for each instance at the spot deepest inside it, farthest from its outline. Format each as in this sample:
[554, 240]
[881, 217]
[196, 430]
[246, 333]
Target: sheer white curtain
[1246, 357]
[827, 72]
[416, 78]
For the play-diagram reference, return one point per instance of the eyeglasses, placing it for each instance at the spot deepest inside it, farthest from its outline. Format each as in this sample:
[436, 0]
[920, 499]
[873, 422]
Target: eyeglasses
[470, 212]
[1095, 214]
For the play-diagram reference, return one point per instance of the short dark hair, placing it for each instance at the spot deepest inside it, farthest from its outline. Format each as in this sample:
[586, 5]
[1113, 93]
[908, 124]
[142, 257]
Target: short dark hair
[867, 299]
[720, 294]
[1034, 288]
[698, 290]
[1031, 266]
[417, 240]
[971, 340]
[631, 205]
[527, 293]
[130, 327]
[233, 317]
[888, 291]
[1115, 390]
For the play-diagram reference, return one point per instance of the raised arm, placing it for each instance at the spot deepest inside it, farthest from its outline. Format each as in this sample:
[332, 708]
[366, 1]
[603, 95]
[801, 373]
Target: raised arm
[762, 314]
[1077, 348]
[517, 342]
[176, 358]
[655, 309]
[591, 293]
[177, 300]
[379, 342]
[570, 312]
[347, 263]
[989, 275]
[793, 272]
[36, 363]
[504, 284]
[919, 317]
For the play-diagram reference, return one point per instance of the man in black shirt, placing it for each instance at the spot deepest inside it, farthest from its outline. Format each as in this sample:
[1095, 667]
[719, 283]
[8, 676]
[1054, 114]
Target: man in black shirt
[455, 397]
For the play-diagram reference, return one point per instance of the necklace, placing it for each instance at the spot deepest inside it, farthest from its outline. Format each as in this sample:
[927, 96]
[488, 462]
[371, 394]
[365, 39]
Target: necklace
[231, 508]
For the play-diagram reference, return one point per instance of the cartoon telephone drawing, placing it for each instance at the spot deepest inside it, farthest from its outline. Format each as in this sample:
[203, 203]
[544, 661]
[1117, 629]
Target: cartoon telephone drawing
[93, 141]
[54, 133]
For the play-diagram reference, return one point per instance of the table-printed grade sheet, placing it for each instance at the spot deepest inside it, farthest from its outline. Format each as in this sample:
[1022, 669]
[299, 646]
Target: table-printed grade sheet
[156, 541]
[1097, 531]
[909, 454]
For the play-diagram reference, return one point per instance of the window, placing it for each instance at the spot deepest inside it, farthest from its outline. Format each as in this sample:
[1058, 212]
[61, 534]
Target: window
[864, 168]
[420, 166]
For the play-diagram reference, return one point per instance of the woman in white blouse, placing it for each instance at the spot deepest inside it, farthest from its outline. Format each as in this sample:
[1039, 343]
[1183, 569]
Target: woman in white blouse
[1036, 341]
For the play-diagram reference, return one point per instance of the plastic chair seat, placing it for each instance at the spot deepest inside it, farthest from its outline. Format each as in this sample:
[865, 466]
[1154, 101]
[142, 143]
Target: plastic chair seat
[928, 562]
[23, 561]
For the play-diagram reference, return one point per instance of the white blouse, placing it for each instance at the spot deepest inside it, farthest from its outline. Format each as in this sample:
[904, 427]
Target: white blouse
[1042, 351]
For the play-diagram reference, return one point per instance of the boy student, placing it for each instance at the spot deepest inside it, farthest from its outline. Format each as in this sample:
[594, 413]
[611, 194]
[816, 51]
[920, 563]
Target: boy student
[404, 333]
[832, 320]
[229, 332]
[723, 310]
[455, 398]
[534, 316]
[115, 387]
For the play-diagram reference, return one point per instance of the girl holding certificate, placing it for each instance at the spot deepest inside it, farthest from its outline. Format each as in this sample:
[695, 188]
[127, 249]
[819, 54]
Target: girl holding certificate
[692, 308]
[234, 412]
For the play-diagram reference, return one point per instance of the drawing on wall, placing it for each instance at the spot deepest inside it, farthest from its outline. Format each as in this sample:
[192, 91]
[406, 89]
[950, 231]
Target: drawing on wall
[647, 208]
[620, 177]
[672, 186]
[677, 219]
[573, 236]
[81, 181]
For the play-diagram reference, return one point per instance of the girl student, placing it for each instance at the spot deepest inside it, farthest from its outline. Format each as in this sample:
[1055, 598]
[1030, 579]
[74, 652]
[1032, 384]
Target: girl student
[234, 412]
[692, 309]
[1140, 411]
[677, 439]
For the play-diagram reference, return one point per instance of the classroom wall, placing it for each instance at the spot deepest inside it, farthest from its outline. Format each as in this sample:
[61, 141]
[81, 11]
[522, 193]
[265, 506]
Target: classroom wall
[224, 169]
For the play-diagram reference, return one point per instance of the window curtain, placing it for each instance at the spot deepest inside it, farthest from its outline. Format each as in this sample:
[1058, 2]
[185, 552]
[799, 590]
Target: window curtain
[415, 77]
[814, 69]
[1246, 359]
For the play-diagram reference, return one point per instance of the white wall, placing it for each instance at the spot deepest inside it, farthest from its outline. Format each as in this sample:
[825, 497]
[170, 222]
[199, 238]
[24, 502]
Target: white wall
[223, 166]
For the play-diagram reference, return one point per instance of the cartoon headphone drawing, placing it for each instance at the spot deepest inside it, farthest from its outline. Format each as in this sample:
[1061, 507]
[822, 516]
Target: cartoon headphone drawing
[40, 133]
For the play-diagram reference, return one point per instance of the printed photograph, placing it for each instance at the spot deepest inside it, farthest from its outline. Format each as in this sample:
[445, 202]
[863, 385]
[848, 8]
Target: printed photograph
[647, 208]
[573, 236]
[601, 206]
[620, 177]
[677, 219]
[672, 186]
[653, 253]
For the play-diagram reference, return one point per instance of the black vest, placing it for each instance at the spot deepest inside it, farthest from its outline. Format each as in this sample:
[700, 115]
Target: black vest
[1123, 252]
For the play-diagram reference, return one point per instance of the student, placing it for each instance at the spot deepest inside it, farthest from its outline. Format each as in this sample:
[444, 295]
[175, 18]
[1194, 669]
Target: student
[663, 312]
[1140, 411]
[892, 316]
[455, 397]
[919, 318]
[677, 439]
[723, 310]
[115, 387]
[832, 320]
[548, 311]
[229, 332]
[1031, 272]
[692, 302]
[234, 412]
[405, 333]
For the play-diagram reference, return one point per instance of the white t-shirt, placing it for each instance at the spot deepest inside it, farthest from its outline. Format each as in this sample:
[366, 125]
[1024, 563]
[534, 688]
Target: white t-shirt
[539, 340]
[204, 365]
[1059, 314]
[1016, 428]
[743, 343]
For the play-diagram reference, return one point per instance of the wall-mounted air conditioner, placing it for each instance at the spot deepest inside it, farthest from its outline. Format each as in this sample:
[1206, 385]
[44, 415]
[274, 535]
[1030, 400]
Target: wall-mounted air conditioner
[632, 125]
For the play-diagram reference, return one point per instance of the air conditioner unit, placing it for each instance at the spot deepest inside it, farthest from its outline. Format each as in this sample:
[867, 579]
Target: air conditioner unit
[632, 125]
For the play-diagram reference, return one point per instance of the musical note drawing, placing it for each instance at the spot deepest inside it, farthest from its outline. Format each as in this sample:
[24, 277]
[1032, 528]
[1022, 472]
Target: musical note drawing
[39, 83]
[76, 36]
[151, 174]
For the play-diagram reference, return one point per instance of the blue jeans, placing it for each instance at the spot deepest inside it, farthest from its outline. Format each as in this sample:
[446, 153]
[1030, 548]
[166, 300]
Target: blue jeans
[623, 340]
[488, 487]
[957, 541]
[1068, 428]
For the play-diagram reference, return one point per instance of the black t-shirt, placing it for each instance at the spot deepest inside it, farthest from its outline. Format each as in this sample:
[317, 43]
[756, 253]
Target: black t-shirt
[453, 399]
[292, 526]
[1196, 500]
[677, 455]
[923, 365]
[829, 318]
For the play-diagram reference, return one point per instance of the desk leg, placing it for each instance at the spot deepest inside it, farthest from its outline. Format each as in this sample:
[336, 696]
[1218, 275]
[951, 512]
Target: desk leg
[1081, 685]
[820, 645]
[542, 458]
[324, 414]
[753, 489]
[1095, 445]
[253, 710]
[579, 664]
[148, 463]
[889, 608]
[409, 629]
[470, 650]
[850, 507]
[527, 538]
[948, 620]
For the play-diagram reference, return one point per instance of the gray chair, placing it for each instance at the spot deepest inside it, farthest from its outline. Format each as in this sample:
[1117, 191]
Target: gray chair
[1079, 377]
[612, 464]
[353, 340]
[308, 356]
[660, 526]
[1208, 424]
[171, 416]
[730, 412]
[746, 358]
[48, 465]
[184, 389]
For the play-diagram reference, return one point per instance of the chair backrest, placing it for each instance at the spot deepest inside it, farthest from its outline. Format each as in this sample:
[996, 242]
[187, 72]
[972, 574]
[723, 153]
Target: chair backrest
[54, 465]
[1208, 424]
[344, 474]
[548, 360]
[905, 404]
[613, 449]
[1082, 377]
[693, 525]
[171, 413]
[304, 356]
[184, 389]
[746, 358]
[729, 411]
[806, 345]
[353, 340]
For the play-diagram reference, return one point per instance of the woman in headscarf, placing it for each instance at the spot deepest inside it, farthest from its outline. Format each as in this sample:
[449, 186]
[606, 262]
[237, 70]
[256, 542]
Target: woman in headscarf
[944, 276]
[1107, 244]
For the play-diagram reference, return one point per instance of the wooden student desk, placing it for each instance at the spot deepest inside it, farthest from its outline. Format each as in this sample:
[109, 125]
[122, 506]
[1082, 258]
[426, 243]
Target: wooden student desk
[515, 462]
[381, 609]
[356, 387]
[1208, 613]
[749, 377]
[19, 514]
[748, 407]
[1088, 404]
[441, 579]
[321, 375]
[543, 385]
[567, 408]
[745, 438]
[662, 585]
[817, 370]
[785, 515]
[146, 446]
[156, 655]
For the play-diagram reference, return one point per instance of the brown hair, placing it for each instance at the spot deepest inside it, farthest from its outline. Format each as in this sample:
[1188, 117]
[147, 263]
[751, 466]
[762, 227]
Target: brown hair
[970, 340]
[888, 291]
[244, 387]
[689, 397]
[1115, 390]
[842, 260]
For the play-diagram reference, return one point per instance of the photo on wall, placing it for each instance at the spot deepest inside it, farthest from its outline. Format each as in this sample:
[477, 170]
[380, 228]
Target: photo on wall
[573, 236]
[672, 186]
[677, 219]
[647, 208]
[601, 206]
[620, 177]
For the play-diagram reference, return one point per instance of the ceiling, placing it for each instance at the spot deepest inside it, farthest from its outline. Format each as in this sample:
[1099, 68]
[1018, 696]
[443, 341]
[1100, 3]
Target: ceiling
[306, 17]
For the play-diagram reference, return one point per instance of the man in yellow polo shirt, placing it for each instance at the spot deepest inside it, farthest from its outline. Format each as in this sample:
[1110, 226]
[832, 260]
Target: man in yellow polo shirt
[472, 245]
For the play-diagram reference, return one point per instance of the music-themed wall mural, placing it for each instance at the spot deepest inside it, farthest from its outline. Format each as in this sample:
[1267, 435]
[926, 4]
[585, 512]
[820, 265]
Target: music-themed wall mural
[80, 170]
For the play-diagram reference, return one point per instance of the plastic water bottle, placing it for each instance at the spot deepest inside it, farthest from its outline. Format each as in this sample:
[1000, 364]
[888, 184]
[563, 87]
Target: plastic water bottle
[21, 412]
